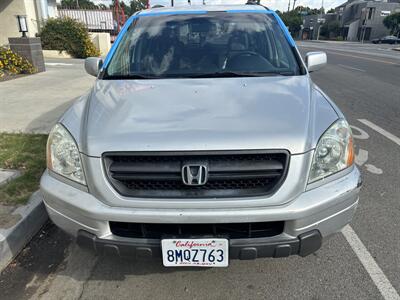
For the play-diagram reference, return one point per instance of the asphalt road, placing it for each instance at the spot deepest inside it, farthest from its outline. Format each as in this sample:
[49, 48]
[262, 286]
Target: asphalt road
[365, 84]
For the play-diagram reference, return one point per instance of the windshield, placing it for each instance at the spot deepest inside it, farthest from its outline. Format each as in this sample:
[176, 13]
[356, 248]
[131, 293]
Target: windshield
[203, 45]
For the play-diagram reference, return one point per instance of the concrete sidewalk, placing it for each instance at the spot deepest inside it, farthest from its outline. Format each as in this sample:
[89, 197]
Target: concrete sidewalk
[34, 103]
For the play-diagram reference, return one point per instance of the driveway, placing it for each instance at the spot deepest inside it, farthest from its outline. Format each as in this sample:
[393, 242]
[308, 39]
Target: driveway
[34, 103]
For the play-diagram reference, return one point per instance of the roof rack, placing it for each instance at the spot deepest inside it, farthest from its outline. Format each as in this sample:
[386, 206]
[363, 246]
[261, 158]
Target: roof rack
[253, 2]
[256, 2]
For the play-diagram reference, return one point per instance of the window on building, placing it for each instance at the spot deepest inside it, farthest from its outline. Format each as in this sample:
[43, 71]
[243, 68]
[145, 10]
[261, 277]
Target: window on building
[371, 12]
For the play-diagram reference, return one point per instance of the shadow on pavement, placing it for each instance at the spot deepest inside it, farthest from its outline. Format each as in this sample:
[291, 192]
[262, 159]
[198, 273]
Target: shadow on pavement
[46, 121]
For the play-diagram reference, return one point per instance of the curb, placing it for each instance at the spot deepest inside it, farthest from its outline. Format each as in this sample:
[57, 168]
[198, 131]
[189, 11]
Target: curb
[14, 239]
[6, 175]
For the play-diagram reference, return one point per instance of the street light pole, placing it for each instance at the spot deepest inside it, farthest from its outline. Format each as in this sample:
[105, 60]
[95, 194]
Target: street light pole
[363, 28]
[319, 30]
[319, 19]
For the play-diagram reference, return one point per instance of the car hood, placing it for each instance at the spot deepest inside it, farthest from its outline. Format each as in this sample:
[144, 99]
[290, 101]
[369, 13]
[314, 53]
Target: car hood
[201, 114]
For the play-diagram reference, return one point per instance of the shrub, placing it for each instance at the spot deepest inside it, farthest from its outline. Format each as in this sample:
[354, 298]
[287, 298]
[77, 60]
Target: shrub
[13, 63]
[69, 35]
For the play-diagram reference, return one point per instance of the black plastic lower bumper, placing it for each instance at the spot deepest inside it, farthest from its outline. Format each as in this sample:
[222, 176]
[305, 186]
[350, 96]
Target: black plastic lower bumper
[303, 245]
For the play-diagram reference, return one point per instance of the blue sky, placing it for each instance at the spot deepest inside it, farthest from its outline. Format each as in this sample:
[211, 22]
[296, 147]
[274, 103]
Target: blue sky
[272, 4]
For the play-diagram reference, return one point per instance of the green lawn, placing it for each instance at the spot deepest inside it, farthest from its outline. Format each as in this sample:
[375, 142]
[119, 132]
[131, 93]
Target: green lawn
[27, 153]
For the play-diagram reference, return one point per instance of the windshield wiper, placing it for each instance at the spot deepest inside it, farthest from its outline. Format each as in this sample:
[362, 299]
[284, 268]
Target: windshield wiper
[201, 75]
[238, 74]
[130, 76]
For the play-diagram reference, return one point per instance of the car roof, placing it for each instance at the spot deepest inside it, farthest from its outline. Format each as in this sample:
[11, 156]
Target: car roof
[206, 8]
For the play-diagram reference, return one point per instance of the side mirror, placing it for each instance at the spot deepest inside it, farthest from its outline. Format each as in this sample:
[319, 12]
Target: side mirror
[93, 65]
[315, 61]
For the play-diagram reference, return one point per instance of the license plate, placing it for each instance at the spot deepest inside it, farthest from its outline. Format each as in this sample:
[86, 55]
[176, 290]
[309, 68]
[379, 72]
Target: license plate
[195, 252]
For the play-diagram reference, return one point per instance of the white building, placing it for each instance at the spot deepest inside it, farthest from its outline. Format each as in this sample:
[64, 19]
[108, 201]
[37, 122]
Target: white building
[34, 10]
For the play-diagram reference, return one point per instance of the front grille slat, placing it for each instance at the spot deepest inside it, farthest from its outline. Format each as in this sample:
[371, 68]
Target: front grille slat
[230, 173]
[146, 176]
[243, 166]
[230, 230]
[140, 167]
[243, 175]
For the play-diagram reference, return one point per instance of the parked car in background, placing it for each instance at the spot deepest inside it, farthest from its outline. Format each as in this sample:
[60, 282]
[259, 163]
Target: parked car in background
[390, 39]
[202, 140]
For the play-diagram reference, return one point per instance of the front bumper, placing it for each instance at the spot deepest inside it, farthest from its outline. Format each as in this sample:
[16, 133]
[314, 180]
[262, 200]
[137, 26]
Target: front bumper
[244, 249]
[318, 213]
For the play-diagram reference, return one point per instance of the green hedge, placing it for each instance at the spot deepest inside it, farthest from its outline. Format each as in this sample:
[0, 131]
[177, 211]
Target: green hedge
[68, 35]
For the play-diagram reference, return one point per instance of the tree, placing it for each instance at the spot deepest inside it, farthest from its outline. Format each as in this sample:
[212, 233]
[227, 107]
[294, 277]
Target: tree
[292, 19]
[330, 29]
[137, 5]
[82, 4]
[392, 22]
[305, 10]
[127, 9]
[331, 11]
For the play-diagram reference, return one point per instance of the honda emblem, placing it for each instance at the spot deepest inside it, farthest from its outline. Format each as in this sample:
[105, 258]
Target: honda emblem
[194, 174]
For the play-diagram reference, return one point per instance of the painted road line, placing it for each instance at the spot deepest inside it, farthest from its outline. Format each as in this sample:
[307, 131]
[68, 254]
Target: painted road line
[383, 284]
[351, 68]
[366, 58]
[354, 56]
[382, 131]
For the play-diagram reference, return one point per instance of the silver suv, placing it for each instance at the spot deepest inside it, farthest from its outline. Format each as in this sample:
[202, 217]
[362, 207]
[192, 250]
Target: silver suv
[203, 140]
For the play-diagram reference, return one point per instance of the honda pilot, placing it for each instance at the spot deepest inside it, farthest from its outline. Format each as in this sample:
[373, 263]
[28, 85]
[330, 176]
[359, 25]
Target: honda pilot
[202, 140]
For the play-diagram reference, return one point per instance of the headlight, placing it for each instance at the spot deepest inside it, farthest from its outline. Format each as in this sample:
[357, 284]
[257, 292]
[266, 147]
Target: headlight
[63, 155]
[334, 151]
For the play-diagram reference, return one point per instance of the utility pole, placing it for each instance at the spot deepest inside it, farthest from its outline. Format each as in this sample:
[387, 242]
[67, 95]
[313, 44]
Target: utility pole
[294, 4]
[319, 20]
[288, 7]
[77, 3]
